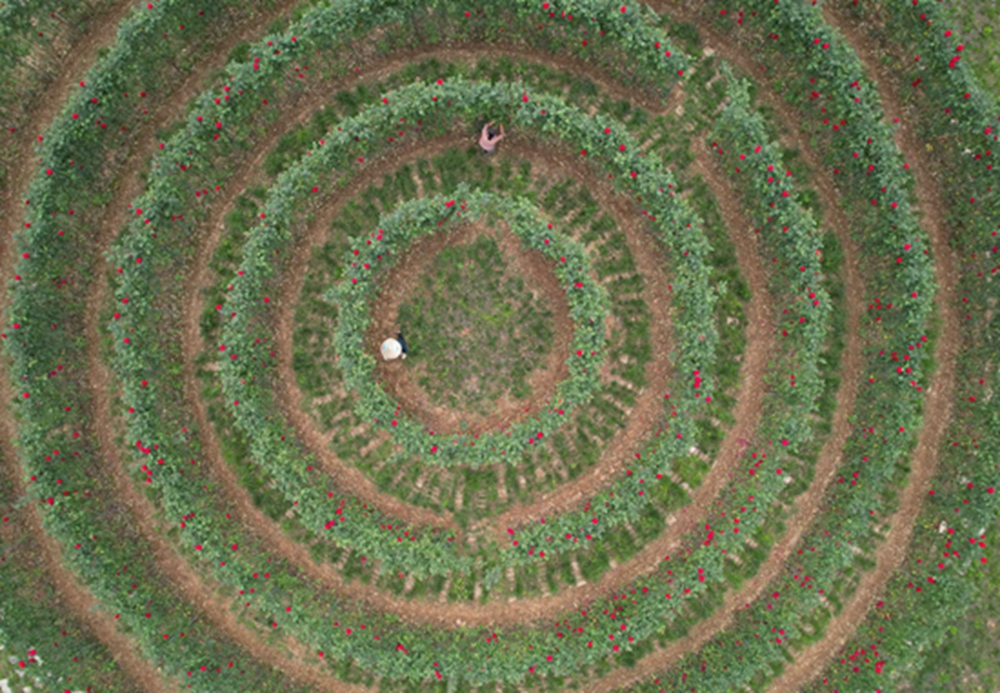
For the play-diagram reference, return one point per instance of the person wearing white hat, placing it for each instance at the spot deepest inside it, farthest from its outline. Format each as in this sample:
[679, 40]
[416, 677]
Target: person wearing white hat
[391, 349]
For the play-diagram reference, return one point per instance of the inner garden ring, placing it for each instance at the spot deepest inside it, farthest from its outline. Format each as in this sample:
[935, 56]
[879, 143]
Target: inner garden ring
[588, 308]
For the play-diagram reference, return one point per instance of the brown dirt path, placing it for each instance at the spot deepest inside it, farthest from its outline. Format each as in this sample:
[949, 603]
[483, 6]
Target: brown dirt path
[179, 572]
[48, 102]
[808, 504]
[651, 263]
[810, 662]
[403, 281]
[760, 339]
[71, 593]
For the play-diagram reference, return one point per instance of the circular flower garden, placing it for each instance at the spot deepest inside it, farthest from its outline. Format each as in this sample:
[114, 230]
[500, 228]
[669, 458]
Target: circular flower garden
[700, 365]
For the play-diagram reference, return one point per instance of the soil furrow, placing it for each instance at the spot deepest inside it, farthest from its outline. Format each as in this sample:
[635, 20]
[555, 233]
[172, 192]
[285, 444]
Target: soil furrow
[808, 504]
[651, 263]
[352, 478]
[48, 102]
[810, 662]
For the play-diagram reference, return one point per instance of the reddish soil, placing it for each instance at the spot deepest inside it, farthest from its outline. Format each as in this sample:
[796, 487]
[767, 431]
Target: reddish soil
[644, 416]
[403, 280]
[554, 163]
[178, 572]
[811, 661]
[349, 477]
[808, 504]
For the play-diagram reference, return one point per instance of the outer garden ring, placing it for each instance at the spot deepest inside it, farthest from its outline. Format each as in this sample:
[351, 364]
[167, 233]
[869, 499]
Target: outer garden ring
[588, 307]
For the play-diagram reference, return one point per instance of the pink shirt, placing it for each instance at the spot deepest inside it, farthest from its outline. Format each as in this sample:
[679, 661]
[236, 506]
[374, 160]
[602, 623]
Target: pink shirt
[484, 139]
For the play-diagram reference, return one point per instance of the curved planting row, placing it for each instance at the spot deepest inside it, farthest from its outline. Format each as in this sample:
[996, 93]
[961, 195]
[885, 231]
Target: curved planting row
[727, 660]
[217, 549]
[797, 603]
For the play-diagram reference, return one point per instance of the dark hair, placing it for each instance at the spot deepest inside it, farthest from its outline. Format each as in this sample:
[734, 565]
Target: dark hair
[493, 132]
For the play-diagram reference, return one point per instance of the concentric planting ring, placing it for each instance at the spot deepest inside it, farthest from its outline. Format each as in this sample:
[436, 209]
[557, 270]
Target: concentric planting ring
[588, 304]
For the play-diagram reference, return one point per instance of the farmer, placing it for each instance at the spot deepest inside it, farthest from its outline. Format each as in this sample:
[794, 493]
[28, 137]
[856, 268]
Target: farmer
[489, 137]
[402, 343]
[391, 350]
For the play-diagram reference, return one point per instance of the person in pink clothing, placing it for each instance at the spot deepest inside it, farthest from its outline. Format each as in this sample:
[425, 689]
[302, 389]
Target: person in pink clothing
[489, 137]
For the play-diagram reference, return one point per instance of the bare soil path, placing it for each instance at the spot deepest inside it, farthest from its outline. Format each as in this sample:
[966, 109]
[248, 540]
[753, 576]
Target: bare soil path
[926, 448]
[811, 661]
[380, 69]
[651, 262]
[178, 572]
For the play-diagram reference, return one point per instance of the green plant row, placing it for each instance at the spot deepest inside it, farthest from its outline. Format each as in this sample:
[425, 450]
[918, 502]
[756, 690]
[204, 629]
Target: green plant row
[914, 624]
[588, 306]
[739, 135]
[950, 570]
[960, 113]
[133, 257]
[853, 506]
[860, 144]
[249, 300]
[703, 574]
[349, 137]
[213, 552]
[69, 141]
[755, 165]
[49, 643]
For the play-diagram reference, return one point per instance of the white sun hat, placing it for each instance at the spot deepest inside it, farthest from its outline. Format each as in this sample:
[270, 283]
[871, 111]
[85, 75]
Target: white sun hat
[391, 349]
